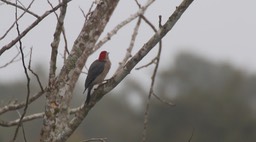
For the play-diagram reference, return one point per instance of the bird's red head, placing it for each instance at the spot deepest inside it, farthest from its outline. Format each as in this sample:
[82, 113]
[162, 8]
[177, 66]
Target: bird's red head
[103, 55]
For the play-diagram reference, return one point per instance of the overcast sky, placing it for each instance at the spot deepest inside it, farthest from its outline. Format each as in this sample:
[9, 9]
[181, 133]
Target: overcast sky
[219, 30]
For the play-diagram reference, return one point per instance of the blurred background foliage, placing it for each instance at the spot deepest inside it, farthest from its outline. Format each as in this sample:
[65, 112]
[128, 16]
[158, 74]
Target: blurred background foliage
[214, 101]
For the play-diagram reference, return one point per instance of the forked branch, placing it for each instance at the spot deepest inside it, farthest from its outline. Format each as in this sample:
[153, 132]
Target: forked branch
[117, 78]
[29, 28]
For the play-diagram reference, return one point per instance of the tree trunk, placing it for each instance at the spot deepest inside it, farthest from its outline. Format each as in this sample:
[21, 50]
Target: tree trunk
[60, 89]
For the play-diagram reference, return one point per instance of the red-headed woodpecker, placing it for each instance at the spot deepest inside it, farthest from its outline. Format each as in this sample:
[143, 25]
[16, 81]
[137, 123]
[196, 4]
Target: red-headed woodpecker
[96, 73]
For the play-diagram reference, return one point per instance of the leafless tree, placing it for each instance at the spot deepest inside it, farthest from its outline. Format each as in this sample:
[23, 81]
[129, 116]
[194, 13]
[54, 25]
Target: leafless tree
[59, 120]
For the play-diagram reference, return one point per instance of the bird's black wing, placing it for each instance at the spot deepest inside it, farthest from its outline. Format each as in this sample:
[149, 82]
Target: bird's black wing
[95, 70]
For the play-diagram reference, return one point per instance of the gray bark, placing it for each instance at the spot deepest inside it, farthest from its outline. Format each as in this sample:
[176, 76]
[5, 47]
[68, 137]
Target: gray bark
[59, 91]
[56, 124]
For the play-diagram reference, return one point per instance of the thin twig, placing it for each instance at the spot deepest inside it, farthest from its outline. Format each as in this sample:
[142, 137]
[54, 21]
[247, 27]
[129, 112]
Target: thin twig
[189, 140]
[149, 23]
[26, 74]
[13, 24]
[86, 16]
[160, 21]
[12, 60]
[29, 28]
[122, 24]
[82, 12]
[164, 101]
[129, 49]
[51, 5]
[138, 3]
[95, 140]
[66, 51]
[20, 7]
[153, 61]
[151, 91]
[37, 77]
[23, 130]
[154, 29]
[160, 26]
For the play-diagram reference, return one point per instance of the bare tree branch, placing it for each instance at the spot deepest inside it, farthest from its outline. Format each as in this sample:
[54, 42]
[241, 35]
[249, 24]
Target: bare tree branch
[58, 123]
[138, 3]
[66, 51]
[26, 10]
[37, 77]
[117, 78]
[59, 94]
[51, 5]
[27, 76]
[62, 31]
[13, 105]
[12, 60]
[86, 16]
[122, 24]
[163, 101]
[156, 58]
[151, 90]
[56, 41]
[23, 130]
[153, 61]
[32, 117]
[9, 29]
[25, 119]
[95, 140]
[129, 49]
[29, 28]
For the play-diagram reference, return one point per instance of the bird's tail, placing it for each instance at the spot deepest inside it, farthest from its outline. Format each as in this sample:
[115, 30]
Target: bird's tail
[88, 95]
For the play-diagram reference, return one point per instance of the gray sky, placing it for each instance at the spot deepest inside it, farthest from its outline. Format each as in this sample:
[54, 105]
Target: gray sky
[220, 30]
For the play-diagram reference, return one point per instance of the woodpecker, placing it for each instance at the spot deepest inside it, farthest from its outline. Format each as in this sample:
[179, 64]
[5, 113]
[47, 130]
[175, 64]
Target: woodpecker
[96, 73]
